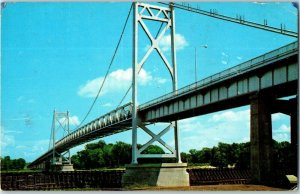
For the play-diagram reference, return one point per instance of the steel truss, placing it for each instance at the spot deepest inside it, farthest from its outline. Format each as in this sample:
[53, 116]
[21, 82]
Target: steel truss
[164, 16]
[60, 121]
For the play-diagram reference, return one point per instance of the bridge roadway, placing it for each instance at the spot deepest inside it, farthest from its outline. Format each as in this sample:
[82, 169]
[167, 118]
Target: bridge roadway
[275, 73]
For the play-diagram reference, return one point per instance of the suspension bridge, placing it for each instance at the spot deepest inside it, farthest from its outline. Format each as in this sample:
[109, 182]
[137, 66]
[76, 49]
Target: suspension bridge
[259, 82]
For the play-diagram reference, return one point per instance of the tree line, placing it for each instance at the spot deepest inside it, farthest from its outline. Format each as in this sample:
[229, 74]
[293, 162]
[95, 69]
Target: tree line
[12, 164]
[100, 154]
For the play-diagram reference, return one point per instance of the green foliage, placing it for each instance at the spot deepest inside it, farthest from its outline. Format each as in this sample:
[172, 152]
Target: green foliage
[285, 156]
[95, 155]
[15, 164]
[238, 154]
[121, 153]
[100, 155]
[153, 149]
[221, 155]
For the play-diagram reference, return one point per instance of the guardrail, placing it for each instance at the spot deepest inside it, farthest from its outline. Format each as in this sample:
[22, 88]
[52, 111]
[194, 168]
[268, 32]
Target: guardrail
[233, 71]
[115, 116]
[118, 115]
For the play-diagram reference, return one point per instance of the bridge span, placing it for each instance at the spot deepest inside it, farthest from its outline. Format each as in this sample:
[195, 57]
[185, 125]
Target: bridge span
[272, 74]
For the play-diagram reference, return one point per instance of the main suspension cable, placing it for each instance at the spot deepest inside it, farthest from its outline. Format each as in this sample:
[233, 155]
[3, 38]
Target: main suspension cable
[108, 69]
[238, 20]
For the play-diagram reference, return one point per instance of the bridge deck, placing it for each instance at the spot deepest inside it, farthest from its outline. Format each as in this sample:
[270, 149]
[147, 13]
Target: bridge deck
[116, 121]
[261, 73]
[274, 72]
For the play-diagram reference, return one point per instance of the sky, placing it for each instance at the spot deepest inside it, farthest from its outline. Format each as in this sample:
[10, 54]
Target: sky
[54, 56]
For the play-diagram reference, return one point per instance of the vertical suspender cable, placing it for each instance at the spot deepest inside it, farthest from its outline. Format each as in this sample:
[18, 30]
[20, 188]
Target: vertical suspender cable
[108, 69]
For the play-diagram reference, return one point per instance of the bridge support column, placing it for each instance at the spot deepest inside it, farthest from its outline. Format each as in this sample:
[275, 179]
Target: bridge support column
[261, 139]
[171, 174]
[294, 134]
[294, 123]
[165, 175]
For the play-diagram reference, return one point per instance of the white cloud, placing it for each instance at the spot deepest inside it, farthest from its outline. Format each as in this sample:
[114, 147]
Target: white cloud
[6, 140]
[160, 80]
[25, 100]
[207, 131]
[261, 3]
[277, 116]
[40, 146]
[224, 62]
[231, 116]
[117, 81]
[224, 54]
[282, 133]
[239, 58]
[13, 131]
[21, 147]
[180, 42]
[73, 120]
[283, 128]
[187, 125]
[226, 126]
[244, 139]
[281, 137]
[26, 117]
[107, 105]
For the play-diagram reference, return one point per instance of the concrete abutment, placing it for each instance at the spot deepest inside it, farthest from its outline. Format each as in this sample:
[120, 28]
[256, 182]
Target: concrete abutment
[165, 174]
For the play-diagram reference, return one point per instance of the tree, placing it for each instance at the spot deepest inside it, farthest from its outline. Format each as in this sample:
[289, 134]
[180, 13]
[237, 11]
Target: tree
[91, 146]
[218, 157]
[15, 164]
[100, 154]
[76, 161]
[6, 163]
[205, 155]
[19, 164]
[284, 156]
[107, 155]
[194, 156]
[185, 157]
[243, 159]
[121, 153]
[95, 156]
[152, 149]
[101, 144]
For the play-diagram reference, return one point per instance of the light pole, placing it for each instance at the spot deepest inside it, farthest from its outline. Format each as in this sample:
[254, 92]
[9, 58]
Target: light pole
[201, 46]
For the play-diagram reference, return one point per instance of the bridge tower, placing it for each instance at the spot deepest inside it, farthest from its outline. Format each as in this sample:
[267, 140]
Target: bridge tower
[60, 123]
[158, 175]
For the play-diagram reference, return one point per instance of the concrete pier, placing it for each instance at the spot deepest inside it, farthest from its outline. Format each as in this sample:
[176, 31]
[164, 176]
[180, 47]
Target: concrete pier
[294, 122]
[62, 167]
[165, 174]
[260, 138]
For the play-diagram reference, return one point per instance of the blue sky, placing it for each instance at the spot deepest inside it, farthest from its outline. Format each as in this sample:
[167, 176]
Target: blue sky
[54, 56]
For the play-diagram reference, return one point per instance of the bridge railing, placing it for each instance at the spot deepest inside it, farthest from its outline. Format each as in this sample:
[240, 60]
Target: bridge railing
[233, 71]
[117, 115]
